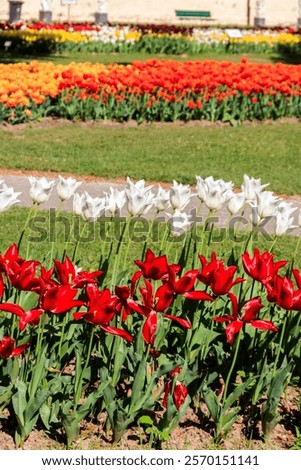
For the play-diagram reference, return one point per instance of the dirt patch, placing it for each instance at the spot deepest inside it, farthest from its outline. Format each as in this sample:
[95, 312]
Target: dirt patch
[194, 432]
[48, 123]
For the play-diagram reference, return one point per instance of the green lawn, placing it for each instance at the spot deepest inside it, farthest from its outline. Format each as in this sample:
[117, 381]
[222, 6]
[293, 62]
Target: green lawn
[163, 152]
[125, 58]
[48, 237]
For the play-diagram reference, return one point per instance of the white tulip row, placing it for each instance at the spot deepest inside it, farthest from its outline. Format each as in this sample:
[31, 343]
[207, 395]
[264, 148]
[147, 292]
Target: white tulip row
[138, 199]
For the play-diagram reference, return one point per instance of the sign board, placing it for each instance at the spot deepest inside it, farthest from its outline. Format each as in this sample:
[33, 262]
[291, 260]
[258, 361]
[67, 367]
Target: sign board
[68, 2]
[234, 33]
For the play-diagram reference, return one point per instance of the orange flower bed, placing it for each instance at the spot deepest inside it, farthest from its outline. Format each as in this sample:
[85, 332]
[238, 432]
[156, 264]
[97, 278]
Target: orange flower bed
[154, 85]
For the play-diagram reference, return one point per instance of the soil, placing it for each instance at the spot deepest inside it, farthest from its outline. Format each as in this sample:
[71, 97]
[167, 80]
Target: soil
[50, 122]
[193, 433]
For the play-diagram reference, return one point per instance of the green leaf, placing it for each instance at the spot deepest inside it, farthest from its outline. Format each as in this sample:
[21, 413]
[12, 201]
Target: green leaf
[19, 401]
[120, 355]
[237, 392]
[138, 384]
[45, 413]
[145, 419]
[165, 435]
[213, 403]
[39, 370]
[270, 416]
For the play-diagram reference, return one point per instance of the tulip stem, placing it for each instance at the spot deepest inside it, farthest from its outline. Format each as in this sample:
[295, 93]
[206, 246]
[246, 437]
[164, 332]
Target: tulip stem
[62, 336]
[273, 243]
[163, 241]
[206, 349]
[72, 227]
[33, 212]
[77, 241]
[296, 251]
[203, 232]
[78, 391]
[150, 230]
[280, 344]
[209, 239]
[117, 253]
[232, 366]
[26, 225]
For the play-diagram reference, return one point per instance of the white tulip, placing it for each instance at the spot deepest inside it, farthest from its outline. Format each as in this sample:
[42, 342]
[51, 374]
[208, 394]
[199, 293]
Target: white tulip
[40, 189]
[139, 199]
[236, 203]
[251, 187]
[115, 200]
[8, 198]
[67, 187]
[139, 185]
[218, 193]
[284, 223]
[286, 207]
[78, 204]
[162, 199]
[138, 203]
[201, 188]
[180, 195]
[92, 207]
[180, 222]
[266, 204]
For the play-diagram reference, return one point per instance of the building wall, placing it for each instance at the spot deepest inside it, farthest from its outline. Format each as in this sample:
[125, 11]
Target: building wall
[163, 11]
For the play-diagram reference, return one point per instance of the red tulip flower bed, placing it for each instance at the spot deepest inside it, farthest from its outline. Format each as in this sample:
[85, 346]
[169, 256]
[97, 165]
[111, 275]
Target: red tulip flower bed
[155, 90]
[224, 334]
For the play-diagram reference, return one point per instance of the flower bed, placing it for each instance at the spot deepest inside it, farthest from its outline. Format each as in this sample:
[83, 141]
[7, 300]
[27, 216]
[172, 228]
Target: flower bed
[143, 340]
[153, 91]
[154, 39]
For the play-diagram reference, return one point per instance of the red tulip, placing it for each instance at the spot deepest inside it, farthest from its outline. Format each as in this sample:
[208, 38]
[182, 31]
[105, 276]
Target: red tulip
[223, 280]
[7, 347]
[217, 276]
[31, 317]
[59, 299]
[150, 327]
[179, 395]
[22, 276]
[123, 307]
[281, 290]
[184, 284]
[180, 390]
[101, 309]
[248, 315]
[205, 275]
[68, 274]
[153, 303]
[261, 267]
[153, 267]
[11, 254]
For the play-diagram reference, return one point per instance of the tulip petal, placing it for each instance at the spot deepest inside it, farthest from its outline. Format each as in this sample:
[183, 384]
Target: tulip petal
[118, 332]
[198, 295]
[264, 325]
[181, 321]
[150, 327]
[232, 329]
